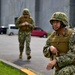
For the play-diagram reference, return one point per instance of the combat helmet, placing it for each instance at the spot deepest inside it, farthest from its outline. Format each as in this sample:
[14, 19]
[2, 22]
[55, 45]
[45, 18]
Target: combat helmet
[60, 16]
[26, 11]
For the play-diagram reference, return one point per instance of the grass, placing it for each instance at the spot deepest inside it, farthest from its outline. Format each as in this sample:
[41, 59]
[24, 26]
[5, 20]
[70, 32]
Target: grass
[8, 70]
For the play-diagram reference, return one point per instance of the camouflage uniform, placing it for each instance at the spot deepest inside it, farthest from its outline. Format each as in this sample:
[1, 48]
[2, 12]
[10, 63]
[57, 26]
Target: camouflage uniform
[24, 33]
[65, 45]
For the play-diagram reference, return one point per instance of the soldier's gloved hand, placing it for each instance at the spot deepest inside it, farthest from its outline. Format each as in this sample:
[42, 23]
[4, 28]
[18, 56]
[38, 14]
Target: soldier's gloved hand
[51, 64]
[53, 50]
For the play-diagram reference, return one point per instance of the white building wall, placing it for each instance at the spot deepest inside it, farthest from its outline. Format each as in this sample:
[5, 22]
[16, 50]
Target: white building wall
[13, 8]
[47, 8]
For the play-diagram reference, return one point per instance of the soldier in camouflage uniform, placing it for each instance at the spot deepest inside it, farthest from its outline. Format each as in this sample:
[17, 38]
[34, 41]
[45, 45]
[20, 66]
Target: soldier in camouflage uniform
[25, 24]
[60, 46]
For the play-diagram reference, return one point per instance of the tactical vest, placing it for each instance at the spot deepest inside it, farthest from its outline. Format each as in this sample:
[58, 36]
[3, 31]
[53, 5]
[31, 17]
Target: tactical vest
[61, 42]
[25, 28]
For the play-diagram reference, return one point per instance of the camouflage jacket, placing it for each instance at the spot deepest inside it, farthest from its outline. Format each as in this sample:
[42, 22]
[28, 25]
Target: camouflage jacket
[66, 59]
[27, 28]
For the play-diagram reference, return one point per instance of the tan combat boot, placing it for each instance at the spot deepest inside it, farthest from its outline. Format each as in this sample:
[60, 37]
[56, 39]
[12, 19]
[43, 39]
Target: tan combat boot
[20, 56]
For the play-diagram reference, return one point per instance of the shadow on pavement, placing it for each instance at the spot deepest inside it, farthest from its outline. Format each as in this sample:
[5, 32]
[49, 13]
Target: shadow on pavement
[21, 62]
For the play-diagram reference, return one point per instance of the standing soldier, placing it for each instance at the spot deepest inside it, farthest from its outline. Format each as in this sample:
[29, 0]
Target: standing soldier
[25, 24]
[60, 46]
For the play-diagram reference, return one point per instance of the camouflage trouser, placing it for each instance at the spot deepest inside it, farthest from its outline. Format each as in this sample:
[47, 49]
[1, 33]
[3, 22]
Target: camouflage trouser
[68, 70]
[24, 38]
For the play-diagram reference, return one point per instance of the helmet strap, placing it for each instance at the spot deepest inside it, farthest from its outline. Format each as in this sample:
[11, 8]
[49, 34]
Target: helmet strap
[62, 25]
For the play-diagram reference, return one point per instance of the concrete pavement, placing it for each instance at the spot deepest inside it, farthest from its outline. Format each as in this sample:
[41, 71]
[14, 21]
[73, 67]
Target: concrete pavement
[9, 51]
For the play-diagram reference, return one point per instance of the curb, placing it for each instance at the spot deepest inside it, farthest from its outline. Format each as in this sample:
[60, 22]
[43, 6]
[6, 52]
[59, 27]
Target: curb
[24, 70]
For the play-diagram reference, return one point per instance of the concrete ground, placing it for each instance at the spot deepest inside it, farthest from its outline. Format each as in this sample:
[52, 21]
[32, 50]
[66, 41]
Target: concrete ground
[9, 51]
